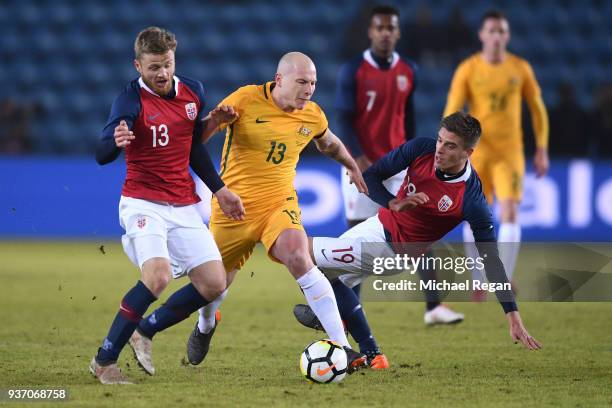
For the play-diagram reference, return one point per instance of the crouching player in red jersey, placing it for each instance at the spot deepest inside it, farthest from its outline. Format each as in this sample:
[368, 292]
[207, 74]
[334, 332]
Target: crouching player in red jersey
[440, 191]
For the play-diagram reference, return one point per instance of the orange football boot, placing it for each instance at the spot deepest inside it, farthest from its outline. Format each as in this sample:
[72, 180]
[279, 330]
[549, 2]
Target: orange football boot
[379, 362]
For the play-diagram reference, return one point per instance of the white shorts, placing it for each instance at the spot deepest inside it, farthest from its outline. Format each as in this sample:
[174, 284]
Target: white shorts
[345, 252]
[358, 206]
[164, 231]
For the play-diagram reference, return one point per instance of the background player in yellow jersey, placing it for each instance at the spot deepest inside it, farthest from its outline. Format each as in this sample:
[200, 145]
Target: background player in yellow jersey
[267, 128]
[493, 83]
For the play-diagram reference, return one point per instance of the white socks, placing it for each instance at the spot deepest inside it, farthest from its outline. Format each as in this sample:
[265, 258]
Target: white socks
[508, 242]
[206, 320]
[321, 299]
[319, 295]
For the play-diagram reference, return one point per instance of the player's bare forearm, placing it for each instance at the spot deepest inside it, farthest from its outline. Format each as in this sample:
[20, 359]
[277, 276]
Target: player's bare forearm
[230, 204]
[409, 202]
[222, 114]
[209, 128]
[331, 146]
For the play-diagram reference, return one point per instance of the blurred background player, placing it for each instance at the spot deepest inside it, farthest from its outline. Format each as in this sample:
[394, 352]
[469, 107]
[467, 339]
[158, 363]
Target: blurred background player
[428, 205]
[270, 125]
[375, 108]
[493, 83]
[157, 120]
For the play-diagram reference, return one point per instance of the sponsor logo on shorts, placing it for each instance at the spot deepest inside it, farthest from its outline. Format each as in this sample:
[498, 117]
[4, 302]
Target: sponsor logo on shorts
[323, 253]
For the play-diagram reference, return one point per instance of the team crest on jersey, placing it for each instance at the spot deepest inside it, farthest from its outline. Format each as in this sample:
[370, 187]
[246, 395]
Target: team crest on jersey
[402, 83]
[192, 110]
[141, 223]
[445, 203]
[304, 131]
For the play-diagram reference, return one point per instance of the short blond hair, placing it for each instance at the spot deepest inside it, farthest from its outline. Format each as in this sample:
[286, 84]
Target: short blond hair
[154, 40]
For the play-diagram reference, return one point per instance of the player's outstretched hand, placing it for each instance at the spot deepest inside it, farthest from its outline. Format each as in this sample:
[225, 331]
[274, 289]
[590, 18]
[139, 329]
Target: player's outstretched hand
[541, 162]
[223, 114]
[411, 201]
[230, 204]
[123, 135]
[356, 177]
[519, 333]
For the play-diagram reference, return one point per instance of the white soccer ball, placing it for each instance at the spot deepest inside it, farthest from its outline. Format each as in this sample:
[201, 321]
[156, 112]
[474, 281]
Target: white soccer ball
[324, 361]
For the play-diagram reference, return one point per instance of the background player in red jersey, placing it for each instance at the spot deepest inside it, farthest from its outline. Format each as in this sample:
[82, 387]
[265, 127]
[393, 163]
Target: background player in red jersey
[440, 191]
[157, 119]
[375, 107]
[375, 104]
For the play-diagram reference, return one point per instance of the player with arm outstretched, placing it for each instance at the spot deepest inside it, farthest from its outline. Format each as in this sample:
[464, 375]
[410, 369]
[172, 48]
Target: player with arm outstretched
[440, 191]
[157, 121]
[493, 84]
[271, 124]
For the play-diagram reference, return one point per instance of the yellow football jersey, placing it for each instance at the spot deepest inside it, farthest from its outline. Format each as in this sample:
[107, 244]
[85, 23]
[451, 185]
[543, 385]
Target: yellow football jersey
[493, 94]
[263, 145]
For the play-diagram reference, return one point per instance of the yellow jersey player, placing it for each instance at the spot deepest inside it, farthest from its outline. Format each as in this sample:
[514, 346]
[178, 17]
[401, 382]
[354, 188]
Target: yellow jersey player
[267, 128]
[493, 83]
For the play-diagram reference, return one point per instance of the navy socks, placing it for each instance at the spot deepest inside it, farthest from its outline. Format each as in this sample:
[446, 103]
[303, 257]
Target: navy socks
[177, 308]
[133, 306]
[432, 299]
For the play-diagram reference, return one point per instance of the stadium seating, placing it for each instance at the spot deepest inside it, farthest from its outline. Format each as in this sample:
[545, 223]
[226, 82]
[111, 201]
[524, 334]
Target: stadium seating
[73, 57]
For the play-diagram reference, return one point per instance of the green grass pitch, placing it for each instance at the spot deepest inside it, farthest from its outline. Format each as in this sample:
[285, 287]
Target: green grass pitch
[58, 299]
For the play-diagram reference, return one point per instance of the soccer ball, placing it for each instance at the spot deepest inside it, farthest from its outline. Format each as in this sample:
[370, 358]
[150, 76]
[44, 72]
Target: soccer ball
[324, 361]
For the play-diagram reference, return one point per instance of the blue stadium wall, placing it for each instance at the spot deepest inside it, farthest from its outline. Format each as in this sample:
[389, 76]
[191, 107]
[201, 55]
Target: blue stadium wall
[74, 198]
